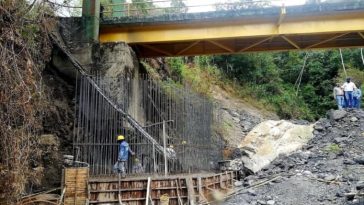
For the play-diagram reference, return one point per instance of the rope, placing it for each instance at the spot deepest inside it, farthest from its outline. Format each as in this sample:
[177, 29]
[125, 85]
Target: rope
[299, 79]
[342, 62]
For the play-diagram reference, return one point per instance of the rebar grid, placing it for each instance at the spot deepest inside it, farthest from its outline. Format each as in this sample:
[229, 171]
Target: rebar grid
[187, 116]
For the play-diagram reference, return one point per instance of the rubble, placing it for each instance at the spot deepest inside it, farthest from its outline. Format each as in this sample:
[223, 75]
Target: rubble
[267, 141]
[237, 123]
[327, 170]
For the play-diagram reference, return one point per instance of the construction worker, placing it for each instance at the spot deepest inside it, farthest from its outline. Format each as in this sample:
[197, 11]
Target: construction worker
[124, 150]
[138, 167]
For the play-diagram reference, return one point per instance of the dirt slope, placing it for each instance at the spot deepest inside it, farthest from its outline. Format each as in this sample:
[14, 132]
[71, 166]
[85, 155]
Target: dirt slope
[236, 117]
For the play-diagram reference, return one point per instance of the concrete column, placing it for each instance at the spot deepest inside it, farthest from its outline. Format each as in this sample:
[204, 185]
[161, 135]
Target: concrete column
[91, 19]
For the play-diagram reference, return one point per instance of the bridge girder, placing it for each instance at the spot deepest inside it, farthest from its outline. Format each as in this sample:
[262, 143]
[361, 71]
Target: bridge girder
[285, 32]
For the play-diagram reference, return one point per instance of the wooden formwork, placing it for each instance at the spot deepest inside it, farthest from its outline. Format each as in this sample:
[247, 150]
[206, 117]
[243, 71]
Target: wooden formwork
[180, 189]
[75, 184]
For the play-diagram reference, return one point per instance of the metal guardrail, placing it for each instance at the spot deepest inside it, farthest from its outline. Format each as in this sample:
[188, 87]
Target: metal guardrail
[143, 8]
[164, 7]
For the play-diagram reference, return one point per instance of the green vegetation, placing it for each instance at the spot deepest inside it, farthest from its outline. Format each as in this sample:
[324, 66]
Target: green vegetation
[333, 148]
[269, 79]
[176, 6]
[242, 4]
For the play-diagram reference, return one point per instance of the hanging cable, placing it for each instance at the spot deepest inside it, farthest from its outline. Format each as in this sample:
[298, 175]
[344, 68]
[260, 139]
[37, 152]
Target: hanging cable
[362, 56]
[299, 79]
[342, 62]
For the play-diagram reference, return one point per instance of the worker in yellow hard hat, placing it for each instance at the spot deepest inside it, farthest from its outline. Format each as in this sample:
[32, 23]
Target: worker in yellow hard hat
[124, 150]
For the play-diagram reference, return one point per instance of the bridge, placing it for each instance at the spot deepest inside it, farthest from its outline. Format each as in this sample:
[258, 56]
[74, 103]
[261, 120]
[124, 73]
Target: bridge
[235, 29]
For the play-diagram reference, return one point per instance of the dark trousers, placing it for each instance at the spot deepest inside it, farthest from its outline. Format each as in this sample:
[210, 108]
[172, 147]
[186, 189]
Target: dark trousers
[120, 168]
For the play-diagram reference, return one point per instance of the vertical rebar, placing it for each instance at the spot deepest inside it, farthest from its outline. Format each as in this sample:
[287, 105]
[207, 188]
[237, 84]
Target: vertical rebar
[165, 149]
[98, 123]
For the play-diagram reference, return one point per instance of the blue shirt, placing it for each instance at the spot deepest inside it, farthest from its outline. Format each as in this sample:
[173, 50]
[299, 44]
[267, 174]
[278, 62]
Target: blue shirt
[357, 93]
[123, 151]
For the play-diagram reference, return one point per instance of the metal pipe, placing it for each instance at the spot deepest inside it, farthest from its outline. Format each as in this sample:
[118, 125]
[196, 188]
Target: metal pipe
[148, 191]
[165, 150]
[158, 123]
[154, 160]
[342, 62]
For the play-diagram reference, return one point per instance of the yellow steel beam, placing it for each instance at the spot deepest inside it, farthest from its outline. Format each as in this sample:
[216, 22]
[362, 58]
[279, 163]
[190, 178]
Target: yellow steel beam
[156, 49]
[192, 32]
[361, 34]
[291, 42]
[188, 47]
[255, 44]
[221, 46]
[327, 40]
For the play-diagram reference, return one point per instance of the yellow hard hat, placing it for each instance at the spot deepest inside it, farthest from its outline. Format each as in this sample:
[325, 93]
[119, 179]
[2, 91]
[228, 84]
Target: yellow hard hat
[121, 137]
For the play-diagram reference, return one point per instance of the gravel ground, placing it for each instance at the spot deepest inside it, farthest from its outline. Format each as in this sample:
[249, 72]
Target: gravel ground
[328, 167]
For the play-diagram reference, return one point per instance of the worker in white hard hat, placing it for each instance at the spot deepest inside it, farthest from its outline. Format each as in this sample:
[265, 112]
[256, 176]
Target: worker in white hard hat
[124, 150]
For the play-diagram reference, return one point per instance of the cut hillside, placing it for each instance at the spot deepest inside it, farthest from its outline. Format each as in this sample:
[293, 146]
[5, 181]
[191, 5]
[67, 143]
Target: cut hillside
[236, 117]
[235, 114]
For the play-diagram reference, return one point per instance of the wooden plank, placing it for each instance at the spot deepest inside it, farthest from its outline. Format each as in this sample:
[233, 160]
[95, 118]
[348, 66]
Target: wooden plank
[76, 183]
[134, 192]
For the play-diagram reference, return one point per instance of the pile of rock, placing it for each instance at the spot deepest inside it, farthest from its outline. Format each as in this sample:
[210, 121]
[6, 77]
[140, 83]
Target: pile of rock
[329, 169]
[267, 141]
[235, 125]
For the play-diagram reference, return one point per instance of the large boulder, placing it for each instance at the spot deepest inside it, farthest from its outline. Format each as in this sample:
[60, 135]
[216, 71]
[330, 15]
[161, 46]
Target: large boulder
[337, 114]
[270, 139]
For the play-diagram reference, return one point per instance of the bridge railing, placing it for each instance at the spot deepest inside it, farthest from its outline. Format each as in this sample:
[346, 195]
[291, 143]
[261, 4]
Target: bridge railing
[151, 8]
[163, 7]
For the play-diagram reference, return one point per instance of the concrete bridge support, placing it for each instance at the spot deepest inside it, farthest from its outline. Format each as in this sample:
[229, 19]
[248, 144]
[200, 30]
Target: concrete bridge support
[91, 19]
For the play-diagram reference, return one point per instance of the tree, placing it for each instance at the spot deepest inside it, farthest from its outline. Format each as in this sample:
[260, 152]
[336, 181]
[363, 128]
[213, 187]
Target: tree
[141, 6]
[241, 4]
[178, 6]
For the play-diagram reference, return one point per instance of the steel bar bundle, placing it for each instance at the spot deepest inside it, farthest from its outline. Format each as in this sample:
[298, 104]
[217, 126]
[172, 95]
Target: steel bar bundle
[186, 117]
